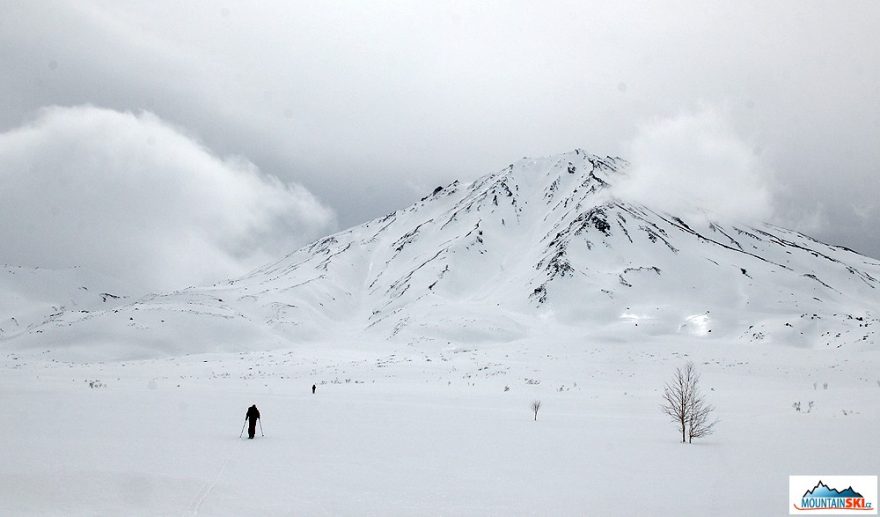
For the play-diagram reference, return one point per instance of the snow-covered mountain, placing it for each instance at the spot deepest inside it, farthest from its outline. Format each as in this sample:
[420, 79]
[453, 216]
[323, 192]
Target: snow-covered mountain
[542, 243]
[31, 297]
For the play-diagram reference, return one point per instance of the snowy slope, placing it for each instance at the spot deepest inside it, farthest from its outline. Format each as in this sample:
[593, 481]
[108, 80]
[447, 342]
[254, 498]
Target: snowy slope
[541, 244]
[30, 297]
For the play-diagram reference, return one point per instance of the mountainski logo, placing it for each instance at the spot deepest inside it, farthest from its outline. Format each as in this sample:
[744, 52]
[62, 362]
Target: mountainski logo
[825, 495]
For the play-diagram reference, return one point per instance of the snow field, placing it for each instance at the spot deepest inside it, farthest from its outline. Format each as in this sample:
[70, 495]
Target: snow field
[428, 429]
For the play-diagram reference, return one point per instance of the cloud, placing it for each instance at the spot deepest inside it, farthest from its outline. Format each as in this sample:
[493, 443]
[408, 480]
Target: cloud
[129, 195]
[353, 100]
[694, 163]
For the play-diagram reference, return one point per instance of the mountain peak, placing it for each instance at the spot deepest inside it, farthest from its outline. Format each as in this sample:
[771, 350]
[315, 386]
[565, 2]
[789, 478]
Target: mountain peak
[540, 242]
[823, 490]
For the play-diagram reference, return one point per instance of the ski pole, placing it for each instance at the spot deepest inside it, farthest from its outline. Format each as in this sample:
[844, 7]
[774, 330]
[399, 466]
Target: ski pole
[242, 427]
[260, 420]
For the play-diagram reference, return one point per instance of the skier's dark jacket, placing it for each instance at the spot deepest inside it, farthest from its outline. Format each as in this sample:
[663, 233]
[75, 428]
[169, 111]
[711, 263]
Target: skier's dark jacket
[252, 413]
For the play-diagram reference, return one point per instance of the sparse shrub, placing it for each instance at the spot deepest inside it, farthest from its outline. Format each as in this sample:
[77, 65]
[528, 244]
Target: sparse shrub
[506, 388]
[797, 406]
[536, 405]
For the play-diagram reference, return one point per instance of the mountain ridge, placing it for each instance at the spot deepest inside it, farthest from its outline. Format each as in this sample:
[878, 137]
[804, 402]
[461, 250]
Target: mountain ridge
[543, 241]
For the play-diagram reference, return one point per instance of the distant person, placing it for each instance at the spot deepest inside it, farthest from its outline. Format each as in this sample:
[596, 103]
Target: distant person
[313, 389]
[252, 415]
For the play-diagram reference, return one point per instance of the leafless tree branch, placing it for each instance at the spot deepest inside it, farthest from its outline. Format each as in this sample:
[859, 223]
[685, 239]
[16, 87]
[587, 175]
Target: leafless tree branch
[685, 405]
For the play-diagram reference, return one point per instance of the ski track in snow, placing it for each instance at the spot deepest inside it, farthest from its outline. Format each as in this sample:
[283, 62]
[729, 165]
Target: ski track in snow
[208, 487]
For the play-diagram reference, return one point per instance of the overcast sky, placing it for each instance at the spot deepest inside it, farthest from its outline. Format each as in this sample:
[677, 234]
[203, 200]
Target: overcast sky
[338, 112]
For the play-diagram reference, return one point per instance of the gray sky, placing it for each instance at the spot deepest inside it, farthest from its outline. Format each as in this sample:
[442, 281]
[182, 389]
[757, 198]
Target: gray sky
[358, 108]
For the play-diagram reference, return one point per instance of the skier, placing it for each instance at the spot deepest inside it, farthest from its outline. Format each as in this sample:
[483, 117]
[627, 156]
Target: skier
[252, 415]
[313, 389]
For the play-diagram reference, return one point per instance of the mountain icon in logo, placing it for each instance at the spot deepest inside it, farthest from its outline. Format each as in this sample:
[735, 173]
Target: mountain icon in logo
[823, 490]
[825, 499]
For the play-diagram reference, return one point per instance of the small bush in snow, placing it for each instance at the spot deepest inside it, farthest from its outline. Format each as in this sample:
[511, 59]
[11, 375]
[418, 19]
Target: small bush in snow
[536, 405]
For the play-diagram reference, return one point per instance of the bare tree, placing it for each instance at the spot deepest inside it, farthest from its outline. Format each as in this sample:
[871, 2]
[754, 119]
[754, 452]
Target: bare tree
[676, 398]
[536, 405]
[685, 405]
[699, 424]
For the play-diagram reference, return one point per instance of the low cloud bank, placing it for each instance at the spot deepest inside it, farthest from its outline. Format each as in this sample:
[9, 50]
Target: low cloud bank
[695, 165]
[132, 196]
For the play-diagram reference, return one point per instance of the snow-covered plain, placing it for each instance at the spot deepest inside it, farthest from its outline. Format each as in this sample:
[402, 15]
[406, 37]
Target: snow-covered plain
[430, 430]
[429, 333]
